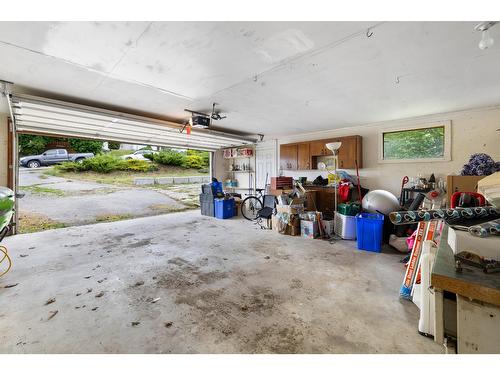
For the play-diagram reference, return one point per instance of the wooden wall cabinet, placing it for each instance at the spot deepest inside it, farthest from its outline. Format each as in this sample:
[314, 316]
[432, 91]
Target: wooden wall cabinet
[303, 156]
[288, 157]
[350, 152]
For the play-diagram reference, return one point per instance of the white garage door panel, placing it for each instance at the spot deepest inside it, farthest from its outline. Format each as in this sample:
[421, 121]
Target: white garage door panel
[46, 116]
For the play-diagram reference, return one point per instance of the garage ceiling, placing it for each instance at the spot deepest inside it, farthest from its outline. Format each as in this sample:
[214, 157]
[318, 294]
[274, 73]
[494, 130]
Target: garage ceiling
[269, 77]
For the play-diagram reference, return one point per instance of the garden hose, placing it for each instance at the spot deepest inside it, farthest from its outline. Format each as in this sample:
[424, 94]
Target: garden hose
[6, 258]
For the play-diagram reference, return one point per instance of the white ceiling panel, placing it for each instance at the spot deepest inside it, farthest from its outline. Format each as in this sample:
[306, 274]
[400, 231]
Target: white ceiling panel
[269, 77]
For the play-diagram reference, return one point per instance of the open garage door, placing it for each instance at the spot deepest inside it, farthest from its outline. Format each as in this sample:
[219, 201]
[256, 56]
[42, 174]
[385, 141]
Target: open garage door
[53, 117]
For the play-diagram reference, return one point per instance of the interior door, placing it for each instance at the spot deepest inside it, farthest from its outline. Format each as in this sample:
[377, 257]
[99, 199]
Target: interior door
[265, 163]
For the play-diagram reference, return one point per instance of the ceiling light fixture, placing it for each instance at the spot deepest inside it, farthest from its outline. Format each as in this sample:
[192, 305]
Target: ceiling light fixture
[486, 40]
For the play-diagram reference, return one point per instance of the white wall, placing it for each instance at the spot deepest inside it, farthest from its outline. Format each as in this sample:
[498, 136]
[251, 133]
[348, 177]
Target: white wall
[473, 131]
[3, 149]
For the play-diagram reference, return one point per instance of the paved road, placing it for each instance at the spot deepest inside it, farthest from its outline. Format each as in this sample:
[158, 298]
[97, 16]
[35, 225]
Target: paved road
[80, 202]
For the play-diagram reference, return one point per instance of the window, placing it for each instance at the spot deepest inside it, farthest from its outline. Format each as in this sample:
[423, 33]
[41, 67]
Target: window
[418, 143]
[51, 153]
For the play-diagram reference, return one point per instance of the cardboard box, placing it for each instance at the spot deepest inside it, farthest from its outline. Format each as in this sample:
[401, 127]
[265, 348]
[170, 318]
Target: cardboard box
[461, 183]
[295, 207]
[291, 229]
[309, 229]
[327, 227]
[489, 186]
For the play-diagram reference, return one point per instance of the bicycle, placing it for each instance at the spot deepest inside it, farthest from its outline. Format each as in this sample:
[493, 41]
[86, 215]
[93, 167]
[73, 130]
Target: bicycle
[251, 205]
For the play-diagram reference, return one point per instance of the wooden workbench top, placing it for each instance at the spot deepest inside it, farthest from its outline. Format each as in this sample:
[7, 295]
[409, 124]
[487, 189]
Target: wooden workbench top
[472, 283]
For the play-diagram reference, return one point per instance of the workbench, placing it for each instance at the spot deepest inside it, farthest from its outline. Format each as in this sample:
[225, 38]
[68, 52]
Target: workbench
[322, 198]
[477, 303]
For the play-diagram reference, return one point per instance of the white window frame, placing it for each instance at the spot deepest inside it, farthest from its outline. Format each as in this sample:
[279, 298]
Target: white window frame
[447, 143]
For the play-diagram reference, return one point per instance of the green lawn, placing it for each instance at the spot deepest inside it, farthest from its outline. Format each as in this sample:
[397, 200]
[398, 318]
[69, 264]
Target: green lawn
[31, 222]
[37, 189]
[120, 152]
[125, 177]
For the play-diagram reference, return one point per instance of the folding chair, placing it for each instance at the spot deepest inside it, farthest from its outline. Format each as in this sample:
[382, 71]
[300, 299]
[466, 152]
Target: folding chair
[266, 212]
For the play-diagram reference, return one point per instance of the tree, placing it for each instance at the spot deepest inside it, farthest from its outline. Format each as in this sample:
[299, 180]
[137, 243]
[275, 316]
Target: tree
[113, 145]
[414, 144]
[85, 145]
[33, 144]
[36, 144]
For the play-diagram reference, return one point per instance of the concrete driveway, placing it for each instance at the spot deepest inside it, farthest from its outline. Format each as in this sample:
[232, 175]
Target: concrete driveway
[72, 202]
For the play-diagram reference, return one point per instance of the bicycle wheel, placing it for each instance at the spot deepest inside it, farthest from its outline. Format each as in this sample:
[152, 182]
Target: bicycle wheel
[250, 207]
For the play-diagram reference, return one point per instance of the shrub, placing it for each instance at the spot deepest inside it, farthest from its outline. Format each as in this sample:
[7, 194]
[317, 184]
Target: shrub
[205, 156]
[113, 145]
[193, 161]
[168, 157]
[69, 166]
[137, 166]
[85, 145]
[107, 163]
[101, 164]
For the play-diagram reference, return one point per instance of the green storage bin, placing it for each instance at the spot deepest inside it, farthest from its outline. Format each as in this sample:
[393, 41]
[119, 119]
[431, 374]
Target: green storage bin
[349, 209]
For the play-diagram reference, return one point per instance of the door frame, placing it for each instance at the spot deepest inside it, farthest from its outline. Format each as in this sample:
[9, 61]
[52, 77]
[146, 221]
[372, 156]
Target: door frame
[265, 146]
[10, 155]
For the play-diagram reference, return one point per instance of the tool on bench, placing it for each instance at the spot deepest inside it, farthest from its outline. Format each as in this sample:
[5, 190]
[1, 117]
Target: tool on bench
[474, 260]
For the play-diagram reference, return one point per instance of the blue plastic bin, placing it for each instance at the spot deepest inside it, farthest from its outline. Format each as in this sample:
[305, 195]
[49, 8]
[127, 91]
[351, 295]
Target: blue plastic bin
[369, 229]
[216, 188]
[224, 208]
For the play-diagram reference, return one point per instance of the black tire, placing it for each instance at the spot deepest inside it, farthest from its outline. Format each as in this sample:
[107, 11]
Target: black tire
[250, 207]
[33, 164]
[79, 160]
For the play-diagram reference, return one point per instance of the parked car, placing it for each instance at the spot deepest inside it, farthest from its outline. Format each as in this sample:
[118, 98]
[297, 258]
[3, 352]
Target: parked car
[51, 157]
[139, 155]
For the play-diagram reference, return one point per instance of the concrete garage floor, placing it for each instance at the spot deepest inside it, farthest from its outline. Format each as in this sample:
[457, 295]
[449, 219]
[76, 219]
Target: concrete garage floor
[225, 286]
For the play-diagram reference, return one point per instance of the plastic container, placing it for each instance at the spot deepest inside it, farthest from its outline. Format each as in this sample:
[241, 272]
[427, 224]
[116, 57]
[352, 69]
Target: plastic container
[345, 226]
[207, 205]
[349, 209]
[224, 208]
[369, 229]
[216, 187]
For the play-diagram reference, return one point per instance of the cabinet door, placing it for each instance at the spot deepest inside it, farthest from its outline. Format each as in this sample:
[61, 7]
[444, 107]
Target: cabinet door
[288, 157]
[349, 152]
[303, 156]
[317, 148]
